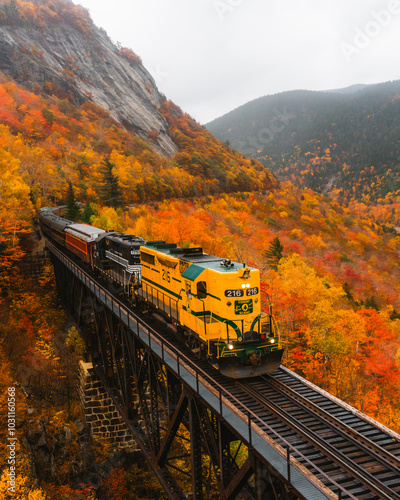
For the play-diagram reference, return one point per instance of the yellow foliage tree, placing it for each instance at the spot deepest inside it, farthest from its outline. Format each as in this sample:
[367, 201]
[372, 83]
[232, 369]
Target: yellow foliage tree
[18, 489]
[15, 204]
[108, 219]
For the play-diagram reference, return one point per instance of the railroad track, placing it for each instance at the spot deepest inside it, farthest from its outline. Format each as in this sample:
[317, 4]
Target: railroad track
[381, 437]
[361, 459]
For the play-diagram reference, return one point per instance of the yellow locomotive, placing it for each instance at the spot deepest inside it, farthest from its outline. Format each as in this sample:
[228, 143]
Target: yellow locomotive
[214, 302]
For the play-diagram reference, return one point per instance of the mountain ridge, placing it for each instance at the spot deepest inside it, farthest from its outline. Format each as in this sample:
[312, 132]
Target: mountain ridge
[291, 131]
[348, 90]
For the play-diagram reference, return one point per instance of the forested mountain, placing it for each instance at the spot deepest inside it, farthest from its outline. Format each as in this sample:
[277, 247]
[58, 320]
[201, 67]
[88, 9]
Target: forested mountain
[342, 141]
[70, 98]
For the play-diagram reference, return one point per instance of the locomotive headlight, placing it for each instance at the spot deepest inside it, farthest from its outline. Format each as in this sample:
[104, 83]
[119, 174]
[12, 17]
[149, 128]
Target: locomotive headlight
[272, 341]
[230, 346]
[247, 285]
[243, 286]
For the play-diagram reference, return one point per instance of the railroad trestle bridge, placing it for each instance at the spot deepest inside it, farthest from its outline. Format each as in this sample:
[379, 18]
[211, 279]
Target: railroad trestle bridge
[238, 441]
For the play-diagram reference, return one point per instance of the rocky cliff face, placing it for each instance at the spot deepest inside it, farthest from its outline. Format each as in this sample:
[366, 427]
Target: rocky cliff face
[86, 66]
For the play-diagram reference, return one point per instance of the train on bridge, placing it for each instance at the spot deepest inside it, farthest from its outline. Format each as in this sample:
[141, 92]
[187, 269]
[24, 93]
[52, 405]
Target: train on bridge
[211, 302]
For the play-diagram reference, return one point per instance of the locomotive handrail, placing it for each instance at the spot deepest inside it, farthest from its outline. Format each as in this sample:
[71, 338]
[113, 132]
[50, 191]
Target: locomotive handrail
[246, 415]
[160, 304]
[278, 330]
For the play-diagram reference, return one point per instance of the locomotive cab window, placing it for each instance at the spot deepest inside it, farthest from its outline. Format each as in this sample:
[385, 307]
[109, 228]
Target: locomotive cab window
[148, 258]
[201, 290]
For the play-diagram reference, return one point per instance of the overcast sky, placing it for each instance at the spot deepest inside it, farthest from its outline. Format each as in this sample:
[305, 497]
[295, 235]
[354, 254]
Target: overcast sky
[211, 56]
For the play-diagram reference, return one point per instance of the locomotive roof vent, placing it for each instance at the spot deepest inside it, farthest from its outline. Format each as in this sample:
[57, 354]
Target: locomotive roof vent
[187, 252]
[154, 243]
[176, 251]
[164, 246]
[131, 237]
[193, 251]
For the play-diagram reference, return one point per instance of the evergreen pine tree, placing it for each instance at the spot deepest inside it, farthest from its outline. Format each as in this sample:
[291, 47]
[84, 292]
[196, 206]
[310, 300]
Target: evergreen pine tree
[371, 304]
[73, 210]
[274, 253]
[110, 190]
[347, 291]
[87, 213]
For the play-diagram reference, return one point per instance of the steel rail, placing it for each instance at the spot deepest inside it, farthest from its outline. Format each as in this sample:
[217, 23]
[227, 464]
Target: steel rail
[380, 454]
[351, 467]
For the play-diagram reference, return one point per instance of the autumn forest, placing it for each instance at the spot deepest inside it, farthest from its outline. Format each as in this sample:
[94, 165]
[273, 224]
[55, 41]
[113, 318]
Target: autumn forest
[333, 280]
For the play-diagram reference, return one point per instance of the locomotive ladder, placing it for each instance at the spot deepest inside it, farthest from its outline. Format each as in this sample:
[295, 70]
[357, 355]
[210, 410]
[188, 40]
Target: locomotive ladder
[234, 450]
